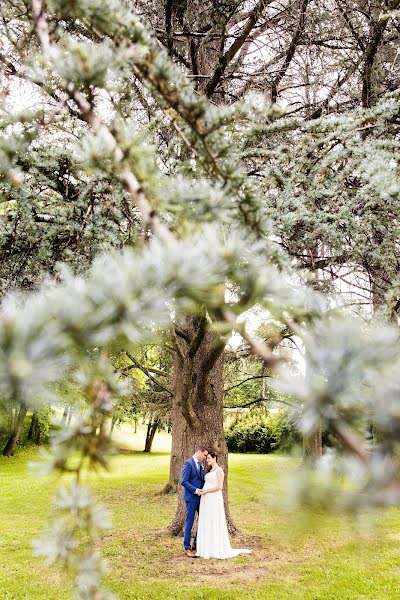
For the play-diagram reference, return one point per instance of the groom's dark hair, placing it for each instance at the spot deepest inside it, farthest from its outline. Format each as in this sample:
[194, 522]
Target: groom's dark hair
[201, 448]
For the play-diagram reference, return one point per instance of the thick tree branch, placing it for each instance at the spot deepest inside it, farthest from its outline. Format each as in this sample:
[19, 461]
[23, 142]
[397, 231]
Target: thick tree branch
[259, 401]
[150, 370]
[376, 33]
[197, 338]
[226, 58]
[182, 334]
[168, 24]
[245, 381]
[40, 20]
[147, 372]
[290, 51]
[212, 357]
[349, 440]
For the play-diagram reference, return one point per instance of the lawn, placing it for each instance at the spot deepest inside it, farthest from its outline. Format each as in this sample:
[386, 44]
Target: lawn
[334, 558]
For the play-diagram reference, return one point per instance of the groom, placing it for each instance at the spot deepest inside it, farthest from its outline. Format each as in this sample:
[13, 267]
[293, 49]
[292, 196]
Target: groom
[192, 479]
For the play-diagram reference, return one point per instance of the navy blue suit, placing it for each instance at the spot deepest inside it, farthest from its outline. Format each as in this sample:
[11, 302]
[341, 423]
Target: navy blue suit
[192, 479]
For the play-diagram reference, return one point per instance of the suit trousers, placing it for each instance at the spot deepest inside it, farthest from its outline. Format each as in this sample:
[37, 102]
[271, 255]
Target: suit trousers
[192, 507]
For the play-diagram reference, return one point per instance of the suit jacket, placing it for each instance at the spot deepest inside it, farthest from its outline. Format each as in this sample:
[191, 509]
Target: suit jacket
[191, 480]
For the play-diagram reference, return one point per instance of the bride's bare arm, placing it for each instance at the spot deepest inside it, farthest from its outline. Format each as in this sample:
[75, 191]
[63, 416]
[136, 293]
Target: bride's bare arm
[220, 482]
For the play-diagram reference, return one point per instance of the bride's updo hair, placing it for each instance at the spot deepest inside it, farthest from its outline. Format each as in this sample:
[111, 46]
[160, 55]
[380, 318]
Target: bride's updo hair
[213, 454]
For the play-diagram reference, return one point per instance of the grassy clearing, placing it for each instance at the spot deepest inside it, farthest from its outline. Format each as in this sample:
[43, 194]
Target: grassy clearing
[331, 560]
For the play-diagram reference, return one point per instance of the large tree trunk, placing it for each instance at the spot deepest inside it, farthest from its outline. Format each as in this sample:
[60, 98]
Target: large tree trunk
[312, 443]
[380, 281]
[34, 433]
[152, 427]
[14, 437]
[113, 422]
[65, 415]
[12, 419]
[312, 447]
[197, 411]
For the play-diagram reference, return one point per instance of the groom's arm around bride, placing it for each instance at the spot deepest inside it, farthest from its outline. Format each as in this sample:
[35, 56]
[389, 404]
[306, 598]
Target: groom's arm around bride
[186, 482]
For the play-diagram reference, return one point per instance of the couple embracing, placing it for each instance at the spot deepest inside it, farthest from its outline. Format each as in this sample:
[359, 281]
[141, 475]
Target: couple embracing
[203, 495]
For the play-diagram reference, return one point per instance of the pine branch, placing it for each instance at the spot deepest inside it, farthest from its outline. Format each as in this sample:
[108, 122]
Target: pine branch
[88, 113]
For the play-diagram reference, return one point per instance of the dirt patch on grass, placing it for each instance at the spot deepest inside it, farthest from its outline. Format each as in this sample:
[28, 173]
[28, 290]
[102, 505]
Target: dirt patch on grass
[241, 573]
[241, 540]
[254, 567]
[159, 556]
[121, 450]
[131, 494]
[245, 566]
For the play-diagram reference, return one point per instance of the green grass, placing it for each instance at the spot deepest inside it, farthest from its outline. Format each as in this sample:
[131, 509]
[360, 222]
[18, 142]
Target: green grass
[333, 558]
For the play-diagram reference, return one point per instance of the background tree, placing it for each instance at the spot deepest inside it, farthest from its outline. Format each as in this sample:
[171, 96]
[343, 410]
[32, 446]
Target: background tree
[149, 372]
[310, 59]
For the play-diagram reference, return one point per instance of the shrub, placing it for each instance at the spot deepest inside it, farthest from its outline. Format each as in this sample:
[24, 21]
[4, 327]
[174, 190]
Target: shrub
[261, 432]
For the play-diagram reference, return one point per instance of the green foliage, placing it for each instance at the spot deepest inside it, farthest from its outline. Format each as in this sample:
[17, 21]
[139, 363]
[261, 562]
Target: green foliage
[260, 432]
[44, 423]
[328, 190]
[39, 434]
[146, 374]
[83, 64]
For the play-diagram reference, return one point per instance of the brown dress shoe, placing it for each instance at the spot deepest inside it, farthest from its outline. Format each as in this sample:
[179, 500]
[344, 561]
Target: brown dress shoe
[190, 553]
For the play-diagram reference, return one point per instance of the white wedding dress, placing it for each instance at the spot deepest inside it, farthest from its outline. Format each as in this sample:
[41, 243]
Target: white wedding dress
[212, 531]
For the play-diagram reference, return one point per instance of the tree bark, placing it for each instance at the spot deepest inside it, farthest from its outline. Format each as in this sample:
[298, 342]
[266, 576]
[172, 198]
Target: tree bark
[33, 428]
[197, 409]
[14, 437]
[151, 432]
[12, 419]
[380, 281]
[312, 447]
[312, 444]
[197, 405]
[113, 422]
[65, 415]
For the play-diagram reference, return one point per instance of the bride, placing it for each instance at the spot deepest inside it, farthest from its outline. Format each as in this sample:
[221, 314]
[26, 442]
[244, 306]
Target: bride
[212, 531]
